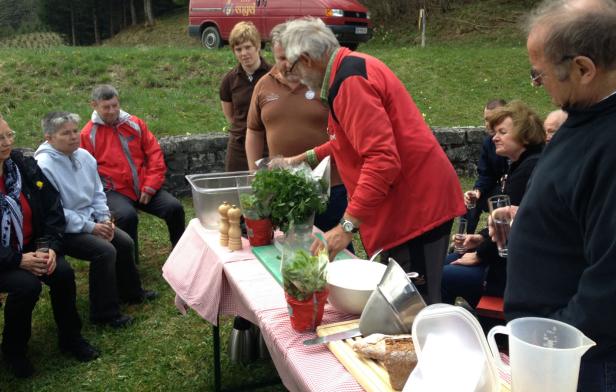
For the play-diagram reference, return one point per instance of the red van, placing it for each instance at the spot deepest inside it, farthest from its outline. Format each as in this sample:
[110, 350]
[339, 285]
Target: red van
[212, 20]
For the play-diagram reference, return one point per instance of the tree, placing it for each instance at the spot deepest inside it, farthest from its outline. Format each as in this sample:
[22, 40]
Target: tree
[149, 14]
[133, 13]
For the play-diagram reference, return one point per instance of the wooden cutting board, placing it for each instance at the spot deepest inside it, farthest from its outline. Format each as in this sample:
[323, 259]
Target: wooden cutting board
[371, 375]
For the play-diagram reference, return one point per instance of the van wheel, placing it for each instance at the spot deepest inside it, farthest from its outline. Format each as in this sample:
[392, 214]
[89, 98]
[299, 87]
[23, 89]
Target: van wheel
[210, 38]
[350, 45]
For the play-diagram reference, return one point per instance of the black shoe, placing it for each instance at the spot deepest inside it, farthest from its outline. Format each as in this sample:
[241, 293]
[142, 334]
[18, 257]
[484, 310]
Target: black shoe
[80, 349]
[146, 295]
[19, 365]
[120, 321]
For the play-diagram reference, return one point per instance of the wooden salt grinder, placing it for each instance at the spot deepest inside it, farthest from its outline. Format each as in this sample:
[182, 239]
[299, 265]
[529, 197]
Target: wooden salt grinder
[235, 232]
[223, 226]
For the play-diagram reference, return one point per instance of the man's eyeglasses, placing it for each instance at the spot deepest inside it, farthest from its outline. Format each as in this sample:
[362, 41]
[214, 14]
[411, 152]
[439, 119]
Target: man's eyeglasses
[7, 137]
[294, 64]
[536, 77]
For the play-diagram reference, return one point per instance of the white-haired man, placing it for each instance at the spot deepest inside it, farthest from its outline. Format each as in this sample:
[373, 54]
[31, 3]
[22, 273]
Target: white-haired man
[403, 191]
[553, 121]
[562, 247]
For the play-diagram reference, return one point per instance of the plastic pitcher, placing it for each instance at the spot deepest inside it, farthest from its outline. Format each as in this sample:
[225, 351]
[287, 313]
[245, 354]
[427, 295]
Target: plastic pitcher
[544, 354]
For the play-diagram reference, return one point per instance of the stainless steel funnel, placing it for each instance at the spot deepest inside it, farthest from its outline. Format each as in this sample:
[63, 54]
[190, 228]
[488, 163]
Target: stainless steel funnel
[392, 307]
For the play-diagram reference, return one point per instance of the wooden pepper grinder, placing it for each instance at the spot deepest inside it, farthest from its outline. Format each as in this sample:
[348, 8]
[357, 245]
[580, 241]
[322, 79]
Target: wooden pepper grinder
[235, 233]
[223, 226]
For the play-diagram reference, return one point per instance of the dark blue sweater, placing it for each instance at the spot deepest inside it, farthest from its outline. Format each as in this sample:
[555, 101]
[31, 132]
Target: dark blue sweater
[490, 167]
[562, 246]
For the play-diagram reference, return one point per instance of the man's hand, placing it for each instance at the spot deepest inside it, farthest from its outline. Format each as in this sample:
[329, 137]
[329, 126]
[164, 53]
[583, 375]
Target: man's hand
[468, 259]
[337, 239]
[513, 210]
[472, 241]
[471, 197]
[104, 230]
[36, 263]
[51, 262]
[145, 198]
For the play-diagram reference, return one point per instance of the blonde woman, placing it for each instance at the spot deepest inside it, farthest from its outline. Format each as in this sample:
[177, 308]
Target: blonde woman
[236, 90]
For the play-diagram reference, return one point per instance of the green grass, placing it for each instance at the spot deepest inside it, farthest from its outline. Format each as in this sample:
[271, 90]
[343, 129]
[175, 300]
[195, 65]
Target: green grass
[161, 351]
[165, 77]
[176, 89]
[33, 41]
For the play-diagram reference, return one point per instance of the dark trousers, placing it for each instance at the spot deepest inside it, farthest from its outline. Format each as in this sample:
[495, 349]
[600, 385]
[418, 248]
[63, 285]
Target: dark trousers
[424, 254]
[334, 212]
[113, 273]
[597, 376]
[466, 281]
[162, 205]
[23, 290]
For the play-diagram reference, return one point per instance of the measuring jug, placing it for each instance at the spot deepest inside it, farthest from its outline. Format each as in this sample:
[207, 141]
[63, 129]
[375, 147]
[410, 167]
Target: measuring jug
[544, 354]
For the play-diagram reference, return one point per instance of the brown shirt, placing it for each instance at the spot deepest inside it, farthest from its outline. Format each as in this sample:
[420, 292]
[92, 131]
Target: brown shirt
[236, 87]
[294, 119]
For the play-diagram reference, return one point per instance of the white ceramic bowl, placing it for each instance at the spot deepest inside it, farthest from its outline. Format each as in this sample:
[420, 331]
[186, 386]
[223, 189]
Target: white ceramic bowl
[351, 282]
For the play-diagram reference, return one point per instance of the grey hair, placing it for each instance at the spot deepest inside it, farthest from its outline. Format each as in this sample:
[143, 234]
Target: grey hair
[308, 36]
[576, 28]
[52, 122]
[104, 92]
[277, 32]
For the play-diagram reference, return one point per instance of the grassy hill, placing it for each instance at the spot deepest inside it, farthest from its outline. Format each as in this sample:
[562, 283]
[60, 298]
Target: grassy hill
[165, 77]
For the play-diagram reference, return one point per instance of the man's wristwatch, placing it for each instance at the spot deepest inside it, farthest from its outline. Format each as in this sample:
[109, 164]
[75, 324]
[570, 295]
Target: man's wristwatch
[348, 226]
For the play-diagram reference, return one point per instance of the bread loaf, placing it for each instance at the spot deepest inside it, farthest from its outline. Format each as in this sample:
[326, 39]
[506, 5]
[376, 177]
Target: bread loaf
[396, 353]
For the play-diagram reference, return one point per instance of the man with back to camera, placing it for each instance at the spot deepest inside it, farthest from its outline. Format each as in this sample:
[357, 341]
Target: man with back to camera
[562, 247]
[131, 166]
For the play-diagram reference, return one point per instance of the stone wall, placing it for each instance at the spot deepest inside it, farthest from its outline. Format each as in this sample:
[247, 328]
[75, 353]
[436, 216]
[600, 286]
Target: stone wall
[205, 153]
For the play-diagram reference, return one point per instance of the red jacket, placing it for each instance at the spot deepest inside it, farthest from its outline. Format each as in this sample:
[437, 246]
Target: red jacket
[400, 182]
[129, 157]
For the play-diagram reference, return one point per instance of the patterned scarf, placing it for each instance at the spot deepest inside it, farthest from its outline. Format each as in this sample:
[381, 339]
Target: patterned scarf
[10, 209]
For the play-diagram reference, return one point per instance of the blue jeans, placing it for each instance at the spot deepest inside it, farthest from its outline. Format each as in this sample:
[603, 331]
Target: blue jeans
[597, 376]
[462, 281]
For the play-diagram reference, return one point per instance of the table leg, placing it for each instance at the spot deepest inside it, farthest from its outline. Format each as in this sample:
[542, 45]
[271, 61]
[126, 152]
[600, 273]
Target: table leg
[216, 336]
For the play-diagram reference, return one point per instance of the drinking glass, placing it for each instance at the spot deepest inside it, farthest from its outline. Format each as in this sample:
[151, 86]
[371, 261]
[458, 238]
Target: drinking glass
[472, 203]
[42, 246]
[460, 235]
[501, 219]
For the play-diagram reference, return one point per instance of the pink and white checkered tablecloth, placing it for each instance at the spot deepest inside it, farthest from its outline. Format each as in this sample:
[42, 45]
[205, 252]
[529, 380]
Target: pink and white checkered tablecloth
[194, 269]
[212, 280]
[258, 298]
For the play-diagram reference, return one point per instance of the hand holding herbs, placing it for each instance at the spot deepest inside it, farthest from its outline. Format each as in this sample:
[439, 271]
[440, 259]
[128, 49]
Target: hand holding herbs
[305, 274]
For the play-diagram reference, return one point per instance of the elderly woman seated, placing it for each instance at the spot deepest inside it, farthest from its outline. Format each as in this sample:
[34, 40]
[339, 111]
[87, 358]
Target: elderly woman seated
[90, 234]
[518, 136]
[30, 210]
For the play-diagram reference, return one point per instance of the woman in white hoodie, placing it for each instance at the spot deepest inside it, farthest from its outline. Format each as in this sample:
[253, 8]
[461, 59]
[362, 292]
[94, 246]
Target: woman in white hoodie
[90, 233]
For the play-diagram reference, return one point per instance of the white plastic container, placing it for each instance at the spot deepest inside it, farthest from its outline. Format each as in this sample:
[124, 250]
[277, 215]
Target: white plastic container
[452, 351]
[209, 191]
[544, 354]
